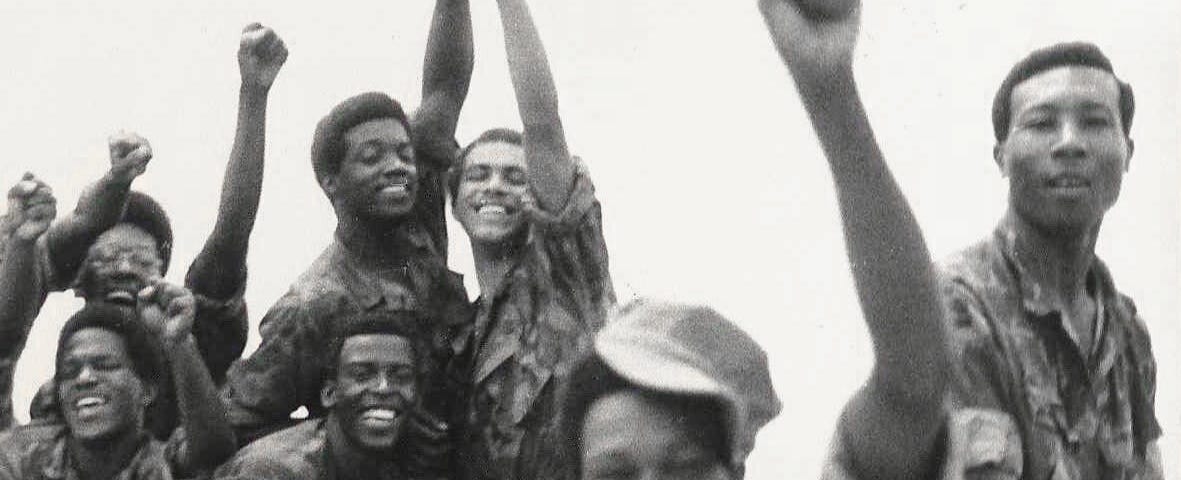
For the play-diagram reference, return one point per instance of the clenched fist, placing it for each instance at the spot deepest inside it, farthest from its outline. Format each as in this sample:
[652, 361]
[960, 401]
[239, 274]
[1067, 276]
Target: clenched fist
[130, 154]
[815, 38]
[261, 54]
[827, 9]
[31, 208]
[167, 310]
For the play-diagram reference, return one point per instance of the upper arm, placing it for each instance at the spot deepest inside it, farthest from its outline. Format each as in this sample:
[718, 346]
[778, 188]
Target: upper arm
[263, 389]
[977, 362]
[436, 118]
[220, 329]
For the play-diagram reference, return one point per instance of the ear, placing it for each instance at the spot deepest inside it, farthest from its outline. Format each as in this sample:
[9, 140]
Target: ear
[1131, 150]
[328, 394]
[998, 156]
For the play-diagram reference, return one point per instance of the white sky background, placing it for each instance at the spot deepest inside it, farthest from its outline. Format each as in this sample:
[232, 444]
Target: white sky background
[713, 185]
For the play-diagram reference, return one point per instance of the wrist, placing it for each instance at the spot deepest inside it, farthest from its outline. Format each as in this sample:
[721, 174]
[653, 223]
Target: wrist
[120, 176]
[822, 77]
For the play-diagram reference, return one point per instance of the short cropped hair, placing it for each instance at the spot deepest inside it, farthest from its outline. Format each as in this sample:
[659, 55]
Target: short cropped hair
[592, 379]
[144, 212]
[403, 323]
[328, 146]
[495, 135]
[1079, 54]
[147, 359]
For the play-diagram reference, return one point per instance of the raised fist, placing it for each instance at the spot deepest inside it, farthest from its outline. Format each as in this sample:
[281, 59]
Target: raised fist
[31, 208]
[168, 311]
[261, 54]
[826, 9]
[814, 37]
[130, 154]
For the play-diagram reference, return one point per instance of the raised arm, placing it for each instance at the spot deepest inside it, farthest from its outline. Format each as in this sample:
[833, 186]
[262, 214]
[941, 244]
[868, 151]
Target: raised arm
[891, 426]
[551, 170]
[100, 205]
[219, 272]
[446, 72]
[31, 209]
[208, 439]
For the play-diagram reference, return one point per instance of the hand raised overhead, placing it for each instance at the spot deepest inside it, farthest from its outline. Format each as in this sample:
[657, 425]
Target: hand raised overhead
[814, 37]
[31, 208]
[130, 154]
[261, 54]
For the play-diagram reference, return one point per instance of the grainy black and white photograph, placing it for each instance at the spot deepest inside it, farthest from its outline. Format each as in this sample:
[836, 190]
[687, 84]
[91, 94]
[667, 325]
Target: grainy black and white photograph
[590, 240]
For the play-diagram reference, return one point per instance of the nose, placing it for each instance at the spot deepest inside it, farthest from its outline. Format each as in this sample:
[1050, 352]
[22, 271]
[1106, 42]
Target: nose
[86, 375]
[383, 384]
[1070, 144]
[123, 265]
[497, 182]
[395, 165]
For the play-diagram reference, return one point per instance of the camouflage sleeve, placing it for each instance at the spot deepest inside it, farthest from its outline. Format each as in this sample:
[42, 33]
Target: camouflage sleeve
[220, 328]
[571, 250]
[977, 381]
[984, 440]
[1145, 422]
[282, 375]
[435, 155]
[836, 464]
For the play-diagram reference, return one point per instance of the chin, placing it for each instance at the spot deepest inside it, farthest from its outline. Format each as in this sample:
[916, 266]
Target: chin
[95, 433]
[377, 443]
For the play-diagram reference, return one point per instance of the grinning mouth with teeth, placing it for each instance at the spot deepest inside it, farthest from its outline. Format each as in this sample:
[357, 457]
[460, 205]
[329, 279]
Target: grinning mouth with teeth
[496, 208]
[1068, 182]
[121, 297]
[397, 186]
[89, 402]
[379, 415]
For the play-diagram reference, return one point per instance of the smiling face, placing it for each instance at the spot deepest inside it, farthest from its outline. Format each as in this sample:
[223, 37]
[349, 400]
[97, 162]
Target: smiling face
[630, 435]
[492, 186]
[376, 384]
[121, 262]
[378, 177]
[99, 392]
[1066, 151]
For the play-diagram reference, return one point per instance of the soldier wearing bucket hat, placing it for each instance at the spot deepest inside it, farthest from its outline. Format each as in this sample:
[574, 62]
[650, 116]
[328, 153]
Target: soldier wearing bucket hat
[688, 383]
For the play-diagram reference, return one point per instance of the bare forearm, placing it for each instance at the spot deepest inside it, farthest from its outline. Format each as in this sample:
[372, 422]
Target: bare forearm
[18, 296]
[100, 206]
[210, 439]
[218, 272]
[447, 68]
[891, 266]
[896, 418]
[550, 168]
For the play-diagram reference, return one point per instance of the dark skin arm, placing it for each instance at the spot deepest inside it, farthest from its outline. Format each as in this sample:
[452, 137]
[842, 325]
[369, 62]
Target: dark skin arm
[551, 170]
[168, 310]
[31, 209]
[100, 206]
[891, 427]
[446, 72]
[219, 271]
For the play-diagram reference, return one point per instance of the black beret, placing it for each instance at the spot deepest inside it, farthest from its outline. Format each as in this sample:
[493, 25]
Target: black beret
[328, 143]
[1081, 54]
[144, 212]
